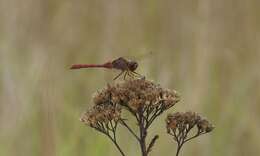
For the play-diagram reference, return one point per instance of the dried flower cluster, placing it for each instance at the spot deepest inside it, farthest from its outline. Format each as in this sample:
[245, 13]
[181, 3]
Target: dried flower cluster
[180, 124]
[104, 117]
[145, 101]
[139, 96]
[181, 121]
[101, 114]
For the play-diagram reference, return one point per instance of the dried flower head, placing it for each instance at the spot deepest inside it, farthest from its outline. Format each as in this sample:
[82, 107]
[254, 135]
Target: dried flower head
[180, 121]
[101, 115]
[138, 95]
[205, 126]
[104, 117]
[143, 99]
[180, 124]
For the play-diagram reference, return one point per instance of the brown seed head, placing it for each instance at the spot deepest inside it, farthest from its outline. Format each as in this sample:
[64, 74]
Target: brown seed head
[101, 114]
[136, 96]
[180, 121]
[140, 93]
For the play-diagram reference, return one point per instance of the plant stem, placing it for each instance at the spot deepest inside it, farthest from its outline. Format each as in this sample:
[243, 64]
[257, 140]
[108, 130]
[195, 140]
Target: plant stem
[129, 129]
[182, 141]
[151, 144]
[143, 134]
[117, 146]
[178, 150]
[143, 145]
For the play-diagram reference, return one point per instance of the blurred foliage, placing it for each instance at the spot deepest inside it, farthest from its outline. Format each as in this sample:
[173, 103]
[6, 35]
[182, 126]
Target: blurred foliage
[207, 50]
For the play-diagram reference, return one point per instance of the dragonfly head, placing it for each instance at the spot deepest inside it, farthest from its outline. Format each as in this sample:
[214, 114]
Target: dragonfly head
[132, 65]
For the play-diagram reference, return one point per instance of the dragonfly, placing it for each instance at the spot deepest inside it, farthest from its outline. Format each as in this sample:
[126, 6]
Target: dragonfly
[127, 67]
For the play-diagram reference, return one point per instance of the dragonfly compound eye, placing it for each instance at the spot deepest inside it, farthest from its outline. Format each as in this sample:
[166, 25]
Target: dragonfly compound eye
[133, 65]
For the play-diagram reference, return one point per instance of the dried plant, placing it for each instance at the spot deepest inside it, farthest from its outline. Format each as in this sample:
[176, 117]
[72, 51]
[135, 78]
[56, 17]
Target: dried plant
[104, 118]
[180, 124]
[145, 101]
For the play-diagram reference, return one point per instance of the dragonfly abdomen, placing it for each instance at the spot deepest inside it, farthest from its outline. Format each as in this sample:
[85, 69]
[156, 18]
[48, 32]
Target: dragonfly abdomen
[105, 65]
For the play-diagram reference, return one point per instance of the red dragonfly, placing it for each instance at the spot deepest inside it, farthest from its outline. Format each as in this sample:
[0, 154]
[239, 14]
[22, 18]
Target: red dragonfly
[127, 67]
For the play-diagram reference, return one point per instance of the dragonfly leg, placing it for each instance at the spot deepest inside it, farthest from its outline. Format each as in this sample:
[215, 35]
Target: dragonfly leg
[130, 74]
[126, 73]
[119, 75]
[137, 73]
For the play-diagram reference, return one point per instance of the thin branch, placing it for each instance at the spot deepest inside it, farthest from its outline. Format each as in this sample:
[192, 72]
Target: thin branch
[149, 149]
[154, 116]
[176, 137]
[129, 129]
[198, 134]
[117, 146]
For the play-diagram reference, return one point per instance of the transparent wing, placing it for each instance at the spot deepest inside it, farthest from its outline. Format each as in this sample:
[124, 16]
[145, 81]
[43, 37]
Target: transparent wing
[139, 56]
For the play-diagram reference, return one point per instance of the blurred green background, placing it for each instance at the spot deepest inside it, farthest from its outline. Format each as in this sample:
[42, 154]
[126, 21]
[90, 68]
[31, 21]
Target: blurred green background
[208, 51]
